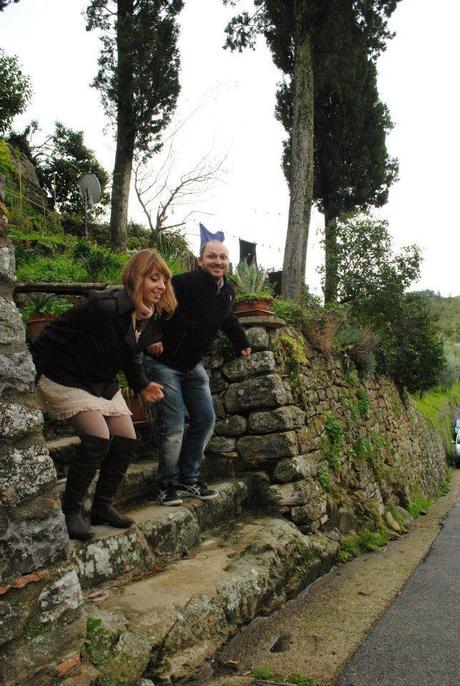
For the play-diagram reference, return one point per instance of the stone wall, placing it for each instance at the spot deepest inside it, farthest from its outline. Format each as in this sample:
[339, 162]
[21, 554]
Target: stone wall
[332, 450]
[40, 597]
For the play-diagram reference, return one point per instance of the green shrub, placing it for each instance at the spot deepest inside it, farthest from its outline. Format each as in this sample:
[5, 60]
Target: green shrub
[362, 399]
[332, 446]
[324, 477]
[362, 448]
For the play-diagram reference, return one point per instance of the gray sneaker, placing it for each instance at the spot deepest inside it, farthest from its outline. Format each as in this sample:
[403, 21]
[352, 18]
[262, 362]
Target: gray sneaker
[198, 490]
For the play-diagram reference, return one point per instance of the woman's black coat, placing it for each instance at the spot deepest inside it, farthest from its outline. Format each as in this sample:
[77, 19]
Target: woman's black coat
[86, 346]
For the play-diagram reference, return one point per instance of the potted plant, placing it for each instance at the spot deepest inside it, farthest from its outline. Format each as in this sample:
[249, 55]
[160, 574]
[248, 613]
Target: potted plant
[39, 309]
[253, 290]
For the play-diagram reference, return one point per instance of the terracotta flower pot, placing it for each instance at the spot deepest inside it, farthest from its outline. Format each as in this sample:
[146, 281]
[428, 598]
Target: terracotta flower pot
[36, 323]
[136, 404]
[256, 307]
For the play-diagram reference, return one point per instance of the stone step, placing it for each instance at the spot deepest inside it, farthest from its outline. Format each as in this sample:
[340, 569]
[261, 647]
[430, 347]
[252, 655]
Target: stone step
[160, 534]
[166, 626]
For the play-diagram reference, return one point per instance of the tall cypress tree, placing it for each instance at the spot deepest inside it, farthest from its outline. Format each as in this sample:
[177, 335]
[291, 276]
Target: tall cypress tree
[307, 38]
[352, 169]
[138, 79]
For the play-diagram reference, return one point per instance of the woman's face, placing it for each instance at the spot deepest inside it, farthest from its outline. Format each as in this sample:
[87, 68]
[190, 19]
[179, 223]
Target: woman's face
[153, 287]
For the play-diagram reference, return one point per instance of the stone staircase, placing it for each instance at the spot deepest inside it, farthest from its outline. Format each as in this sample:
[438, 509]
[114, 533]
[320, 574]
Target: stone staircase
[160, 598]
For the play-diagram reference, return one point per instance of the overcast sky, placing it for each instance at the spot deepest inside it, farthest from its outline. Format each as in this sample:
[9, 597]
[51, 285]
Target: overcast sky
[235, 97]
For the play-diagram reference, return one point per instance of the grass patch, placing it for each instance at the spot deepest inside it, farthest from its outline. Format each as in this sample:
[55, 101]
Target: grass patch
[444, 486]
[265, 673]
[300, 680]
[364, 541]
[418, 504]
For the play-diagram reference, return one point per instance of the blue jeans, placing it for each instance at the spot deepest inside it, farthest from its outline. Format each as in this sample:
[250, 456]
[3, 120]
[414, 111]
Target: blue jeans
[180, 456]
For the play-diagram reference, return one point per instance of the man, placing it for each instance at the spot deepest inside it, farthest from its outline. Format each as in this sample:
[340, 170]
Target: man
[205, 300]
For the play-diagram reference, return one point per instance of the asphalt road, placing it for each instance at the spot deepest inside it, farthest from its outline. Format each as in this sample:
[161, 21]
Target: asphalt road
[417, 641]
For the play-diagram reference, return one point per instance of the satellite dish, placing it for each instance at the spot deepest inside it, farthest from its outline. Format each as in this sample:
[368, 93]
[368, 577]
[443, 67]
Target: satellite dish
[90, 188]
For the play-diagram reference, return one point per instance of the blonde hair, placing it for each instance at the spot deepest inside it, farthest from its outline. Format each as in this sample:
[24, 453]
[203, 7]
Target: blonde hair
[138, 266]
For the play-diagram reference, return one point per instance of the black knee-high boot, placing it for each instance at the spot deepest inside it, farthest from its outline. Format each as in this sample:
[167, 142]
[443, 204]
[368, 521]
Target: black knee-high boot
[82, 471]
[111, 474]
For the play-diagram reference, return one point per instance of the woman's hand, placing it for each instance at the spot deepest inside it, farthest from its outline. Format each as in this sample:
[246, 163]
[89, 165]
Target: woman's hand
[152, 393]
[245, 352]
[155, 348]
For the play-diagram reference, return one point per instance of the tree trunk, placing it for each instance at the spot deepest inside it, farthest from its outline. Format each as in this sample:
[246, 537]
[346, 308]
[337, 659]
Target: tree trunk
[330, 257]
[301, 184]
[126, 133]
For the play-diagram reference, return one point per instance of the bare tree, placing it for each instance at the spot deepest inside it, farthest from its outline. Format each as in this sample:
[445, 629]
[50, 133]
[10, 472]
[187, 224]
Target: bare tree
[166, 198]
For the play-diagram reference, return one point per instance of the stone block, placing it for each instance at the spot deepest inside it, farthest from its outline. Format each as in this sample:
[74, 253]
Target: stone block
[213, 361]
[7, 263]
[219, 407]
[174, 535]
[242, 368]
[258, 338]
[263, 391]
[307, 439]
[281, 419]
[312, 511]
[48, 658]
[301, 493]
[110, 557]
[29, 545]
[296, 468]
[17, 371]
[219, 466]
[257, 449]
[217, 382]
[14, 616]
[25, 473]
[61, 598]
[16, 420]
[221, 444]
[11, 326]
[233, 425]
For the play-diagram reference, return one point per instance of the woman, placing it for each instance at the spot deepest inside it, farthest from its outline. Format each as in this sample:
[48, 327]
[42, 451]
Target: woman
[78, 357]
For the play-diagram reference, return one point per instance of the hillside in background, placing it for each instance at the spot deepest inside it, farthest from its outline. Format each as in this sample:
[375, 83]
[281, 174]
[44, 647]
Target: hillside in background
[448, 311]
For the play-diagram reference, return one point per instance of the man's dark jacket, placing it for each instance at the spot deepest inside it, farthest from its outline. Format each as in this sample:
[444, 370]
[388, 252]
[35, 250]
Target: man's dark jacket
[86, 346]
[203, 309]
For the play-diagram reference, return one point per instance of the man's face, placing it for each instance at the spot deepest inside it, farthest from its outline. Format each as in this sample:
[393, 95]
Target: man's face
[214, 260]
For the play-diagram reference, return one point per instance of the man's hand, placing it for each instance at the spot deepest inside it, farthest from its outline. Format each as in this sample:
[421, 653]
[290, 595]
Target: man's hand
[152, 393]
[155, 348]
[245, 352]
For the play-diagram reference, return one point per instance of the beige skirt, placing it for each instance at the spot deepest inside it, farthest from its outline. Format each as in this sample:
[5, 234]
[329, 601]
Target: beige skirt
[62, 402]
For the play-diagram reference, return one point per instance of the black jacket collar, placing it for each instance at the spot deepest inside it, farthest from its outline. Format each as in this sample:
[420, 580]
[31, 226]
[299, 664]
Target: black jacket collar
[208, 280]
[125, 304]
